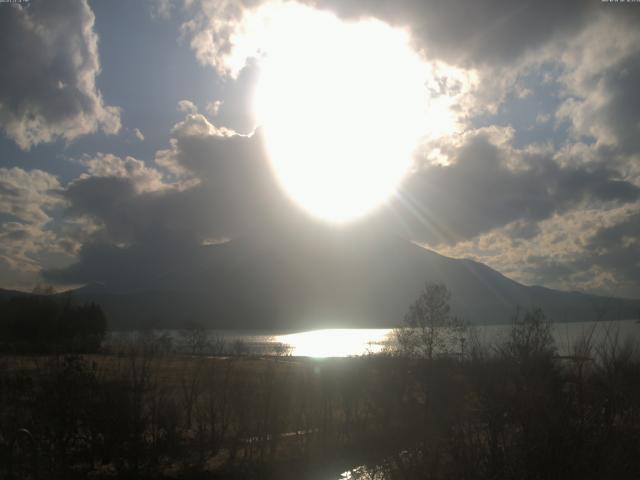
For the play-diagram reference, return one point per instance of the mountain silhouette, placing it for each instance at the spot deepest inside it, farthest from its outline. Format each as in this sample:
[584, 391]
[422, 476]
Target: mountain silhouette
[328, 281]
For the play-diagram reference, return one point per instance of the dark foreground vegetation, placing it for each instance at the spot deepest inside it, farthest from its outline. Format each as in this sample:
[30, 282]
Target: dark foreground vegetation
[512, 411]
[44, 323]
[430, 408]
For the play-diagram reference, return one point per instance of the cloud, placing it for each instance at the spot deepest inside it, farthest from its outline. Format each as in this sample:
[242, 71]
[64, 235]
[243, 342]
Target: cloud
[601, 71]
[587, 249]
[138, 134]
[497, 42]
[116, 195]
[43, 225]
[542, 118]
[28, 196]
[482, 33]
[194, 141]
[222, 188]
[214, 107]
[489, 185]
[616, 249]
[49, 59]
[187, 106]
[500, 41]
[485, 32]
[143, 178]
[560, 212]
[27, 200]
[210, 29]
[162, 8]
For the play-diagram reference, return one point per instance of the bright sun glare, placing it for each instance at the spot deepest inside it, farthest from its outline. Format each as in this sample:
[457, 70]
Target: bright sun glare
[342, 107]
[336, 342]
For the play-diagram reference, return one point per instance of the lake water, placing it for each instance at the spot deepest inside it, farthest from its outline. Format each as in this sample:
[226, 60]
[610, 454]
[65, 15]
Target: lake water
[362, 341]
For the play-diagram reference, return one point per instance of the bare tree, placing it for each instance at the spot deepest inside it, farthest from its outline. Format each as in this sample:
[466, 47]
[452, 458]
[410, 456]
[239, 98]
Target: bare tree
[429, 326]
[194, 337]
[530, 336]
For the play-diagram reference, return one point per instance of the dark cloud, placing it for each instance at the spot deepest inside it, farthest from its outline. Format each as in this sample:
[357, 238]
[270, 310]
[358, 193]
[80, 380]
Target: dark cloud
[225, 190]
[49, 59]
[523, 230]
[621, 113]
[142, 265]
[472, 33]
[617, 249]
[480, 191]
[475, 33]
[608, 238]
[228, 191]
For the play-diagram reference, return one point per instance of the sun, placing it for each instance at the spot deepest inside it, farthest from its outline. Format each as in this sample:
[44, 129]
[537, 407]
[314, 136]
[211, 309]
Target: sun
[341, 106]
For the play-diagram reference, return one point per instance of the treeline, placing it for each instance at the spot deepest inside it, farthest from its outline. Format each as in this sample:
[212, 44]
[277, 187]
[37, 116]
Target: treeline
[50, 324]
[512, 409]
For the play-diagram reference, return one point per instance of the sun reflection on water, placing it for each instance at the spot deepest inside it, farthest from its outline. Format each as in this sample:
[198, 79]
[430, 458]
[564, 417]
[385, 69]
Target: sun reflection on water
[336, 342]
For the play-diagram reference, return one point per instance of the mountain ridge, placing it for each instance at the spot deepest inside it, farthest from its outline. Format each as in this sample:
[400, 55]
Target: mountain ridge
[328, 281]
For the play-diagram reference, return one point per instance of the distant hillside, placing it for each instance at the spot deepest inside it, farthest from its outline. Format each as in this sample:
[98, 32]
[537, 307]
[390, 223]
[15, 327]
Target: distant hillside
[328, 282]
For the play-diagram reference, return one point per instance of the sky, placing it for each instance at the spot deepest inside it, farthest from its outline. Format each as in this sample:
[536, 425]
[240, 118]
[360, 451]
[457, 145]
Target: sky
[128, 134]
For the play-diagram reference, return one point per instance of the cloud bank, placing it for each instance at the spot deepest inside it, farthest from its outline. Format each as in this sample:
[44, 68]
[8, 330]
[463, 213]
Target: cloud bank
[49, 66]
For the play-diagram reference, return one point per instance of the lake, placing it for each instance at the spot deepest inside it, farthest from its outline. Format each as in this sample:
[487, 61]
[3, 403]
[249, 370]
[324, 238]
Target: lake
[345, 342]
